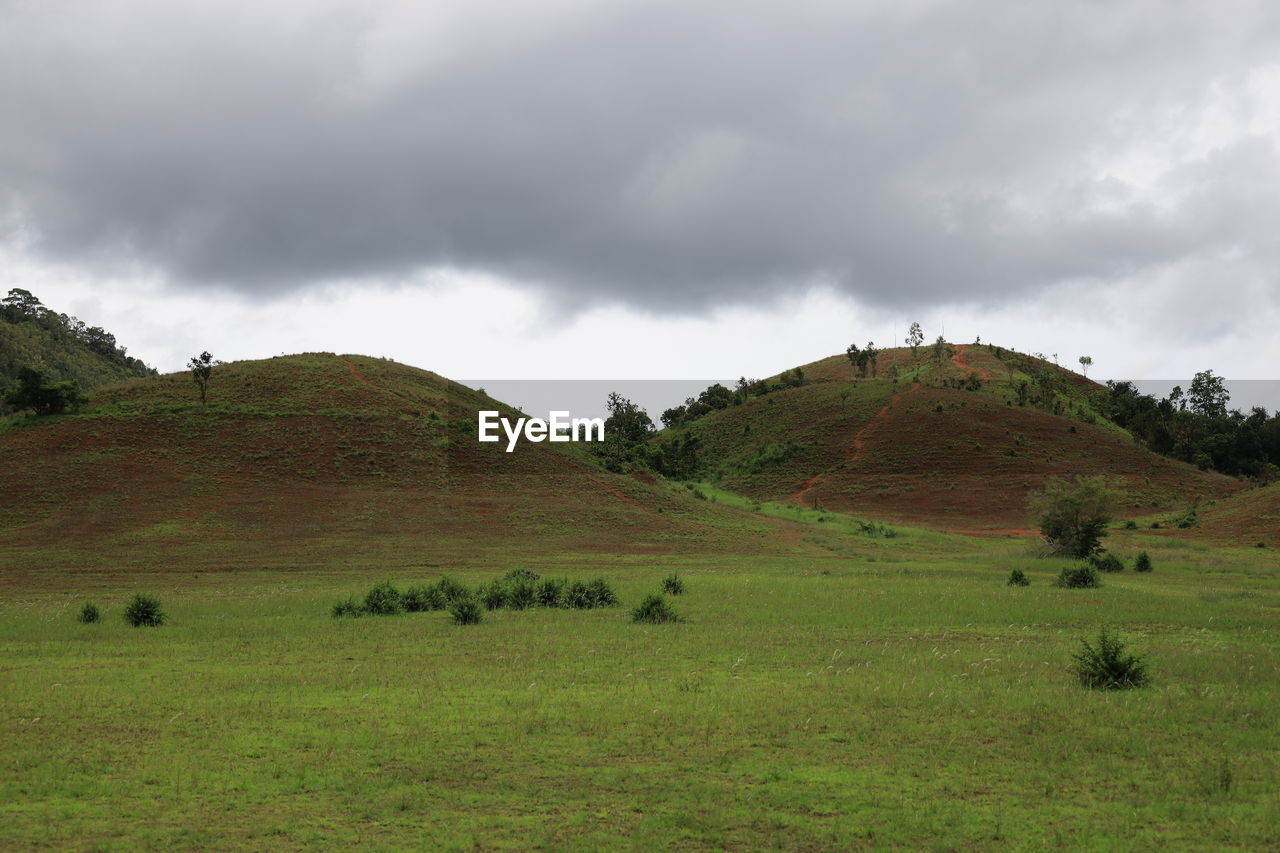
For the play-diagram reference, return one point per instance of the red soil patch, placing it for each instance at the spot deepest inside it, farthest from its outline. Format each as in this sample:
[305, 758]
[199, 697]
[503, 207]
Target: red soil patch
[958, 359]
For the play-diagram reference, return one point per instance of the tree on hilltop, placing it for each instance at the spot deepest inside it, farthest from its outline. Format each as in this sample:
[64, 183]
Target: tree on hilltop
[914, 339]
[1085, 363]
[201, 367]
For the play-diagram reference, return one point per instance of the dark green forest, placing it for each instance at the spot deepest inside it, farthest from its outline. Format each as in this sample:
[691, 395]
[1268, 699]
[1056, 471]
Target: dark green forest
[60, 348]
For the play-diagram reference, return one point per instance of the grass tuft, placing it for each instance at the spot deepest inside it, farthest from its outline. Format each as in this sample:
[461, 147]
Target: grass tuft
[466, 611]
[346, 607]
[673, 585]
[654, 610]
[89, 613]
[1083, 576]
[383, 600]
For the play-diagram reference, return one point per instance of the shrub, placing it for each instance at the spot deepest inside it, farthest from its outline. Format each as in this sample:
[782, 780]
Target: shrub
[1131, 525]
[419, 599]
[144, 611]
[1073, 516]
[349, 607]
[450, 590]
[383, 600]
[602, 595]
[465, 611]
[1080, 577]
[1107, 667]
[89, 613]
[1109, 563]
[520, 575]
[550, 592]
[521, 594]
[1017, 578]
[673, 585]
[493, 596]
[654, 610]
[577, 596]
[1142, 562]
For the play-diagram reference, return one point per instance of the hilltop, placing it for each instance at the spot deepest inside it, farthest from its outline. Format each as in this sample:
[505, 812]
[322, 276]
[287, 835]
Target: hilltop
[60, 347]
[956, 440]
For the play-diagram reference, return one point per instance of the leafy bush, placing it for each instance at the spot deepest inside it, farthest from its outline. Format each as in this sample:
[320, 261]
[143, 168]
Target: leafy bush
[419, 599]
[465, 611]
[1017, 578]
[450, 590]
[1109, 563]
[1131, 525]
[1080, 577]
[578, 596]
[550, 592]
[602, 595]
[383, 600]
[492, 595]
[349, 607]
[1107, 667]
[1073, 516]
[1142, 562]
[520, 575]
[144, 610]
[521, 594]
[673, 585]
[654, 610]
[89, 613]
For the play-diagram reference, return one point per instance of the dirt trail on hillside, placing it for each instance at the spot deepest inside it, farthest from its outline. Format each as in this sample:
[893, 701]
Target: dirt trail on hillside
[857, 447]
[959, 361]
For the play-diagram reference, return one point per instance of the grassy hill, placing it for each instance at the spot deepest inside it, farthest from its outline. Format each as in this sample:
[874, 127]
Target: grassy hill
[60, 347]
[916, 445]
[322, 459]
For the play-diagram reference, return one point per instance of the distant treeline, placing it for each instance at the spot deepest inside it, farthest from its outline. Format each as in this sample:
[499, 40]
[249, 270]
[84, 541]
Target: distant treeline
[20, 306]
[718, 397]
[1197, 427]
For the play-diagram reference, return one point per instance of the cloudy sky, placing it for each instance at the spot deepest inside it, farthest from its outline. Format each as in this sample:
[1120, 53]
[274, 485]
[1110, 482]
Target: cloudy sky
[598, 189]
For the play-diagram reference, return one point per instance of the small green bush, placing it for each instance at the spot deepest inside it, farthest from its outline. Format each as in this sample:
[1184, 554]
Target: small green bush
[550, 592]
[349, 607]
[521, 594]
[673, 585]
[1107, 667]
[419, 599]
[1131, 525]
[89, 613]
[1108, 563]
[602, 595]
[465, 611]
[383, 600]
[1017, 578]
[450, 590]
[578, 596]
[144, 611]
[1083, 576]
[1142, 562]
[520, 575]
[654, 610]
[492, 595]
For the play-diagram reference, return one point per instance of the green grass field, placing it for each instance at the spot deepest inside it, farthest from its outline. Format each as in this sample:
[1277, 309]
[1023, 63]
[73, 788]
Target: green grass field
[896, 694]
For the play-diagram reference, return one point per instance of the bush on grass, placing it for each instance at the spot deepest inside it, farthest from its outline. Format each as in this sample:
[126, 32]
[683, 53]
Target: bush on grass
[1083, 576]
[578, 596]
[465, 611]
[450, 590]
[673, 585]
[420, 599]
[492, 595]
[1017, 578]
[1142, 562]
[1109, 563]
[144, 611]
[383, 600]
[602, 595]
[349, 607]
[1107, 667]
[550, 592]
[521, 594]
[89, 613]
[654, 610]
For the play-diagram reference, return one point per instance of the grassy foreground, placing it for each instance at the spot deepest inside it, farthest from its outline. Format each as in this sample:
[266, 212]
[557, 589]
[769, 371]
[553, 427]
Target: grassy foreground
[806, 702]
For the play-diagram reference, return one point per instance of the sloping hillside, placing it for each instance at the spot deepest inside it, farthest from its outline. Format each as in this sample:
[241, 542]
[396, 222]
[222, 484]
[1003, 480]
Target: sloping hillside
[60, 347]
[957, 442]
[320, 459]
[1246, 518]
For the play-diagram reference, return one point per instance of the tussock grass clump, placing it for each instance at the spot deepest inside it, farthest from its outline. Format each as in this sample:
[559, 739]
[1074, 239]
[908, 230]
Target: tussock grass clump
[654, 610]
[521, 594]
[348, 607]
[144, 611]
[520, 575]
[89, 613]
[383, 600]
[578, 596]
[1083, 576]
[493, 595]
[1142, 562]
[673, 585]
[1107, 667]
[451, 590]
[465, 611]
[1109, 563]
[550, 592]
[420, 599]
[1018, 578]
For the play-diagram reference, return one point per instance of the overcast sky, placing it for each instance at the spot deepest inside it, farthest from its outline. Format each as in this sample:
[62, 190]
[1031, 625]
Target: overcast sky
[573, 189]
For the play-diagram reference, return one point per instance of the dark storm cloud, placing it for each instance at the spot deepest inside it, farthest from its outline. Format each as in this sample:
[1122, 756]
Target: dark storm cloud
[672, 155]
